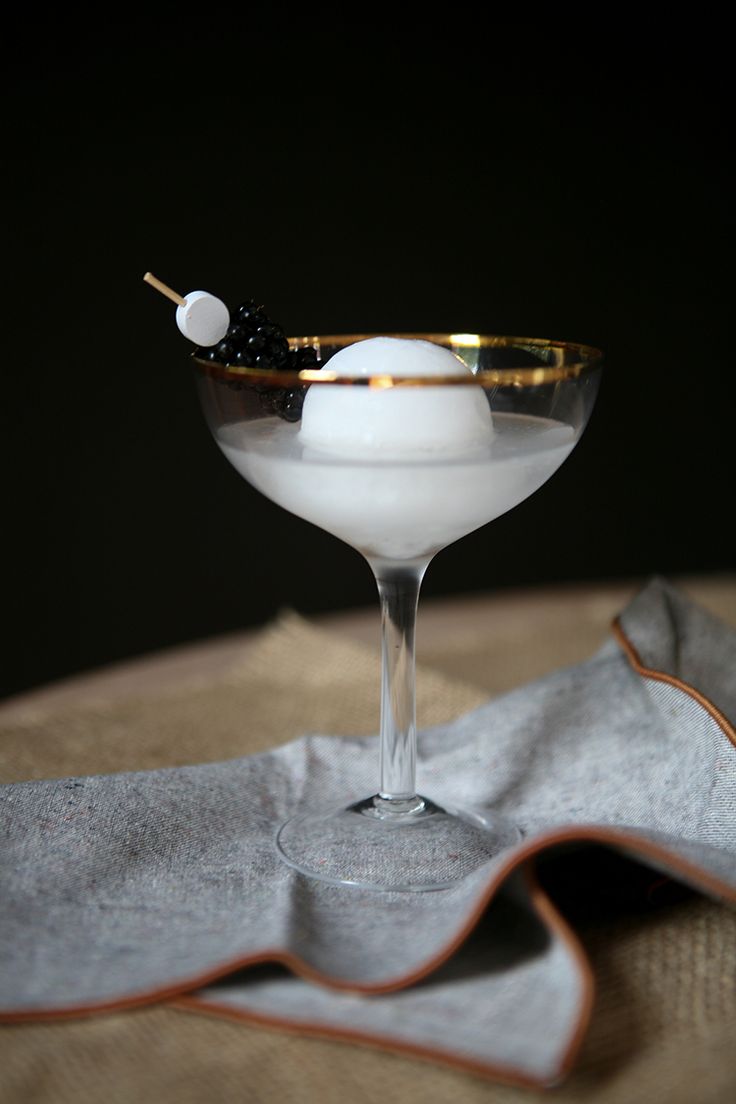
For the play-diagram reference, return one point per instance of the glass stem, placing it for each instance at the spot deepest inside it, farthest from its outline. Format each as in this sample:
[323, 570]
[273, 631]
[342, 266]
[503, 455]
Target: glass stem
[398, 589]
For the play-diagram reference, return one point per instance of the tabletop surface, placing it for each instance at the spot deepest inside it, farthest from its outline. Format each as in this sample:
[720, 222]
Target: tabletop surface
[491, 640]
[663, 1024]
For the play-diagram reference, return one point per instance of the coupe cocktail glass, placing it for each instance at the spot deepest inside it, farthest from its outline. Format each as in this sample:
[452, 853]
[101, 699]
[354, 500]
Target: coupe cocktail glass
[399, 508]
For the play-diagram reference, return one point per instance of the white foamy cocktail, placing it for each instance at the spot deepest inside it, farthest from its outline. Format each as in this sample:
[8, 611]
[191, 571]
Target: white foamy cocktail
[397, 472]
[399, 448]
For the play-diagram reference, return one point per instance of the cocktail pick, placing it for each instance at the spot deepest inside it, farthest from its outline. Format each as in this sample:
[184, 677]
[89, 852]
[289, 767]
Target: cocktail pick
[201, 317]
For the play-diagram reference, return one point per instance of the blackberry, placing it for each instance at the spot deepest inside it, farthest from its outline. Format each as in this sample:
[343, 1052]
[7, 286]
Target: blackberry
[287, 402]
[253, 340]
[303, 359]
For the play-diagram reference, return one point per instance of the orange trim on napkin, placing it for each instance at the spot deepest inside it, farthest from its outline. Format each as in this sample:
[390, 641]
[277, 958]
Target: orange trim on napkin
[661, 676]
[179, 995]
[508, 1074]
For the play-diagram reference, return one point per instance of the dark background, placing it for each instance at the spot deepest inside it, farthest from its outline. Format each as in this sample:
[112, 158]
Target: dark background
[448, 178]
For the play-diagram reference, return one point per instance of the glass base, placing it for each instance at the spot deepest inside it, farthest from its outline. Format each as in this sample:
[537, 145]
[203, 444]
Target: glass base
[390, 844]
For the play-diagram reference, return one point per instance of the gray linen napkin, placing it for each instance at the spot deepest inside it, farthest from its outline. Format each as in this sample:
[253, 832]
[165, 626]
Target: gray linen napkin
[123, 889]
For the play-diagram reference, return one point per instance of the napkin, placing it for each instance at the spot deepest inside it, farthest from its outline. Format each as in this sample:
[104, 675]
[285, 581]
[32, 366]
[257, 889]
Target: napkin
[125, 889]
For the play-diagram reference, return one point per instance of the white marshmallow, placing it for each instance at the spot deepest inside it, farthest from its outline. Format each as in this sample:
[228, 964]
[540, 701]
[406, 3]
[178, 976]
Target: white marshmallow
[203, 319]
[373, 422]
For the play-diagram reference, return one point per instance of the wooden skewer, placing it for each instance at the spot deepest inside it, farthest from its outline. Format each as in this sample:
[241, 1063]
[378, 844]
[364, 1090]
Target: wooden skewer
[149, 278]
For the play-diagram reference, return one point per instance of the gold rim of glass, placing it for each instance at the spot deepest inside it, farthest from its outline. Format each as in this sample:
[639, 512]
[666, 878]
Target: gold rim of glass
[563, 360]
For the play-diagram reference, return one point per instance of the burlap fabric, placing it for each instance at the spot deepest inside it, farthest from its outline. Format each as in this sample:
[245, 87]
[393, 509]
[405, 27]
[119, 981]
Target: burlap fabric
[636, 1042]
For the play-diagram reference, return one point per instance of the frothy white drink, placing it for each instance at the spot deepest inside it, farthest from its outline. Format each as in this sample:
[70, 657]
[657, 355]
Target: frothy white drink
[398, 472]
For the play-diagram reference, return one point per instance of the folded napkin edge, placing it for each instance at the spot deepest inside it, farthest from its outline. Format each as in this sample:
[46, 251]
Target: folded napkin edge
[496, 1072]
[553, 920]
[520, 861]
[632, 655]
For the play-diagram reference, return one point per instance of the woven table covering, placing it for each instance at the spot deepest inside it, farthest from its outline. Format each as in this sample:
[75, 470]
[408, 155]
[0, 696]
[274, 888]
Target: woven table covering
[658, 783]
